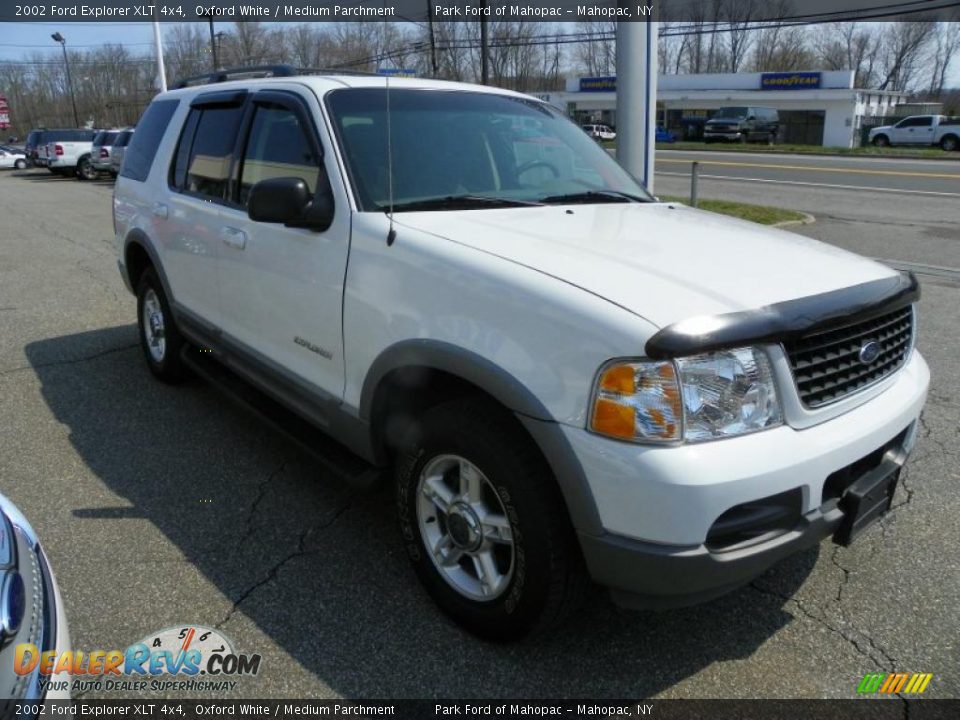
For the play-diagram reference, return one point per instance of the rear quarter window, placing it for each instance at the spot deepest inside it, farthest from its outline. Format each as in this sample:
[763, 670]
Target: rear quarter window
[142, 149]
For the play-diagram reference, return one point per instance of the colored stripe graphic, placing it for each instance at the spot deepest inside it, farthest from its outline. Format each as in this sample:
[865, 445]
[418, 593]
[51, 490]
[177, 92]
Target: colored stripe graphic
[894, 683]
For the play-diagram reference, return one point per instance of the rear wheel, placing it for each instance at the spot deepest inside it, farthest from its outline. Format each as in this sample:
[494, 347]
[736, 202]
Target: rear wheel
[159, 338]
[950, 143]
[484, 524]
[86, 170]
[20, 164]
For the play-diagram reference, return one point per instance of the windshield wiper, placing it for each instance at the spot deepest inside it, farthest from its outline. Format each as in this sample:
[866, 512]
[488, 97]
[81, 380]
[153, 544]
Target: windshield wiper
[592, 196]
[460, 202]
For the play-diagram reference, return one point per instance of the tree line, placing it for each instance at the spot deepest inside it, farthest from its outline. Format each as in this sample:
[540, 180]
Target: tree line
[113, 84]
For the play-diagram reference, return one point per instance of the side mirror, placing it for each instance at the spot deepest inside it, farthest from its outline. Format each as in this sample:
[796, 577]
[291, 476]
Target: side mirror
[287, 200]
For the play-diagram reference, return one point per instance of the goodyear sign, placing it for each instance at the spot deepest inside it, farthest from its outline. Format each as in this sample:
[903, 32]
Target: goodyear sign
[598, 84]
[790, 81]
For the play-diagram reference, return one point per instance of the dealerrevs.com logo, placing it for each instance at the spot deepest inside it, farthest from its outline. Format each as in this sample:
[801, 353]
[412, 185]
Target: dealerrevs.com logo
[183, 652]
[894, 683]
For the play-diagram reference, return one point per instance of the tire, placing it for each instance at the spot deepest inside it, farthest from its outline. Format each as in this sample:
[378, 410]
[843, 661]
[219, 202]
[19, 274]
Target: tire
[160, 339]
[530, 543]
[86, 170]
[772, 139]
[949, 143]
[20, 164]
[881, 141]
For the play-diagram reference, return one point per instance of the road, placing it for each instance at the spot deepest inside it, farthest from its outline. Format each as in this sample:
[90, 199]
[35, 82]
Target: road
[165, 505]
[902, 210]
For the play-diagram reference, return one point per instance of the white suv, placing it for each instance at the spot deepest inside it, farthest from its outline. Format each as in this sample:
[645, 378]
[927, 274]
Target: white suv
[570, 379]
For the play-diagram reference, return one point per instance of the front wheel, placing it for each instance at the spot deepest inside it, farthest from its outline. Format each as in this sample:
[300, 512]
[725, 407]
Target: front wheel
[159, 337]
[20, 164]
[484, 524]
[881, 141]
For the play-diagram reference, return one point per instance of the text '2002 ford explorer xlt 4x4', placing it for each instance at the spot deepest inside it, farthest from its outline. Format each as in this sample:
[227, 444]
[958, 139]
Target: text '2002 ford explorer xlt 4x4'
[571, 380]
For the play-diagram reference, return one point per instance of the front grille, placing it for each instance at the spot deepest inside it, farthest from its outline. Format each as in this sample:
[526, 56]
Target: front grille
[826, 365]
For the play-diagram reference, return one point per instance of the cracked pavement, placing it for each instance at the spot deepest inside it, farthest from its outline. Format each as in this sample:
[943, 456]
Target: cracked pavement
[165, 505]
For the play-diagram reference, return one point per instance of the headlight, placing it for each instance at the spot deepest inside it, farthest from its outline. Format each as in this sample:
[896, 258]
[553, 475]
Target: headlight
[702, 397]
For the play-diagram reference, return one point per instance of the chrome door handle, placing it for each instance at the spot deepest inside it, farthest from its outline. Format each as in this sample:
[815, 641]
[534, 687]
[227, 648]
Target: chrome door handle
[160, 210]
[232, 237]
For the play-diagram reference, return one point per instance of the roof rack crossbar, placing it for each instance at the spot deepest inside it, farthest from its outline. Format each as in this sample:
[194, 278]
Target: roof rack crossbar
[230, 73]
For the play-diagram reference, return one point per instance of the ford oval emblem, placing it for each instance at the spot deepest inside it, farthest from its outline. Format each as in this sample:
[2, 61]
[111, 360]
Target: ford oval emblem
[869, 352]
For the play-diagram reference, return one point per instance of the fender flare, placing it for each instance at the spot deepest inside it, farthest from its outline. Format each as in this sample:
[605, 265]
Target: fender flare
[138, 237]
[461, 363]
[545, 432]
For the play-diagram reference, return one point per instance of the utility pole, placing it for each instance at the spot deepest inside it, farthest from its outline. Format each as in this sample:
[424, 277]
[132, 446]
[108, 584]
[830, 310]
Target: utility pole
[57, 37]
[484, 51]
[637, 97]
[213, 42]
[433, 39]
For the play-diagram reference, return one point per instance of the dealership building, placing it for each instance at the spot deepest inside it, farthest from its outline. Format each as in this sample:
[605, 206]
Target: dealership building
[815, 107]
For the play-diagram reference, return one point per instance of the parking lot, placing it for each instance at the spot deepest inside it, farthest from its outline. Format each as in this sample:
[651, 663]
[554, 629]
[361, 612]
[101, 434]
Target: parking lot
[161, 506]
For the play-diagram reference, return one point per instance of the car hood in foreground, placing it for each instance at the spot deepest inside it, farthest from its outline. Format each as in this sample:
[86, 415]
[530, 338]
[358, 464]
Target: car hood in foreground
[663, 262]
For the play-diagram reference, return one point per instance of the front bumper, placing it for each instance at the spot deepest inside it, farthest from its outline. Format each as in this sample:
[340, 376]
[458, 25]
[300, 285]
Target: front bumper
[657, 505]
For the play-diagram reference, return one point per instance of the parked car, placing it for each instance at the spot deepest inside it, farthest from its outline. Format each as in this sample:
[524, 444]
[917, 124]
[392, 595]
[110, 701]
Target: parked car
[31, 613]
[71, 154]
[919, 130]
[743, 124]
[35, 140]
[11, 158]
[664, 135]
[117, 150]
[600, 132]
[100, 150]
[569, 379]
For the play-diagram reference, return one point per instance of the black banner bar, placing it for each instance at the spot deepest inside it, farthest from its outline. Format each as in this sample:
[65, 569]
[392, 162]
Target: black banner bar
[875, 707]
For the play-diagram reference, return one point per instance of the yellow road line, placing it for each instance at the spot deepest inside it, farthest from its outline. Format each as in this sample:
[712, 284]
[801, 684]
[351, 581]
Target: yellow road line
[815, 168]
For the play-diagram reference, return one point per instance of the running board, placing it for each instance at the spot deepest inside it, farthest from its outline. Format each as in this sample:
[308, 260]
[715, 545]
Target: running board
[334, 457]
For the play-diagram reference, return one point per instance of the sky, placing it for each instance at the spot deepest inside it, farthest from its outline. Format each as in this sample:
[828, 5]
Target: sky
[20, 38]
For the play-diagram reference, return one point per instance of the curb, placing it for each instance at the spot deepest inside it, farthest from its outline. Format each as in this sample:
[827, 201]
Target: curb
[806, 220]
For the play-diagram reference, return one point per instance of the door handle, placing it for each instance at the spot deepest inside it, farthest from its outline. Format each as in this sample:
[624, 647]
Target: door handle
[160, 210]
[232, 237]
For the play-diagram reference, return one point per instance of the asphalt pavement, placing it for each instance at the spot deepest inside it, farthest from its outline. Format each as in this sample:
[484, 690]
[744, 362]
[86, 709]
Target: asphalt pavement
[161, 506]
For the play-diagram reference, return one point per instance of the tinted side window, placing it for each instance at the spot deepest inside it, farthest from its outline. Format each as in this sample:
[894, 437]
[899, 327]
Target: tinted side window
[143, 146]
[278, 146]
[211, 151]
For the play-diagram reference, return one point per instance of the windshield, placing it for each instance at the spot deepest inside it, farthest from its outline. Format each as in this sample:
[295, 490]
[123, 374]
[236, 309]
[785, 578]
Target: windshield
[472, 147]
[730, 113]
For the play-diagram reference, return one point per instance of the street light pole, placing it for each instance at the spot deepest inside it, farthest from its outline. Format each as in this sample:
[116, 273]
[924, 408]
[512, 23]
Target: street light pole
[213, 42]
[57, 37]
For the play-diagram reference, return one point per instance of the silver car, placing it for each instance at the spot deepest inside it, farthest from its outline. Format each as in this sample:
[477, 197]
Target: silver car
[117, 150]
[100, 153]
[31, 612]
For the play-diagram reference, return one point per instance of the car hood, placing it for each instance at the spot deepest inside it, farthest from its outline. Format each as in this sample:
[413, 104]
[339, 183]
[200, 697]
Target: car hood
[663, 262]
[880, 128]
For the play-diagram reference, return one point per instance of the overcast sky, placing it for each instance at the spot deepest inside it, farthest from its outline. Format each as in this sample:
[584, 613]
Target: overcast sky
[17, 39]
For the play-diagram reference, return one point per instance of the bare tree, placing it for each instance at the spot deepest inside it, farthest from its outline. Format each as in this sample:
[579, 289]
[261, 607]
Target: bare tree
[902, 47]
[946, 44]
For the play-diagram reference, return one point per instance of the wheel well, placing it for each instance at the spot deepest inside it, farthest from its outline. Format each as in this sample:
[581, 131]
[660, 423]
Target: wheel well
[136, 261]
[405, 393]
[950, 135]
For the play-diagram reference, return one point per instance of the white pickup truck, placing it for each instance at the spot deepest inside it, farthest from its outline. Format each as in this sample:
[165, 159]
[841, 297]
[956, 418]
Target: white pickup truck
[919, 130]
[72, 155]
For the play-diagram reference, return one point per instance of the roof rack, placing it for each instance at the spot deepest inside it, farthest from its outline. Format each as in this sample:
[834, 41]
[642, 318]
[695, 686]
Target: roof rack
[263, 71]
[252, 71]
